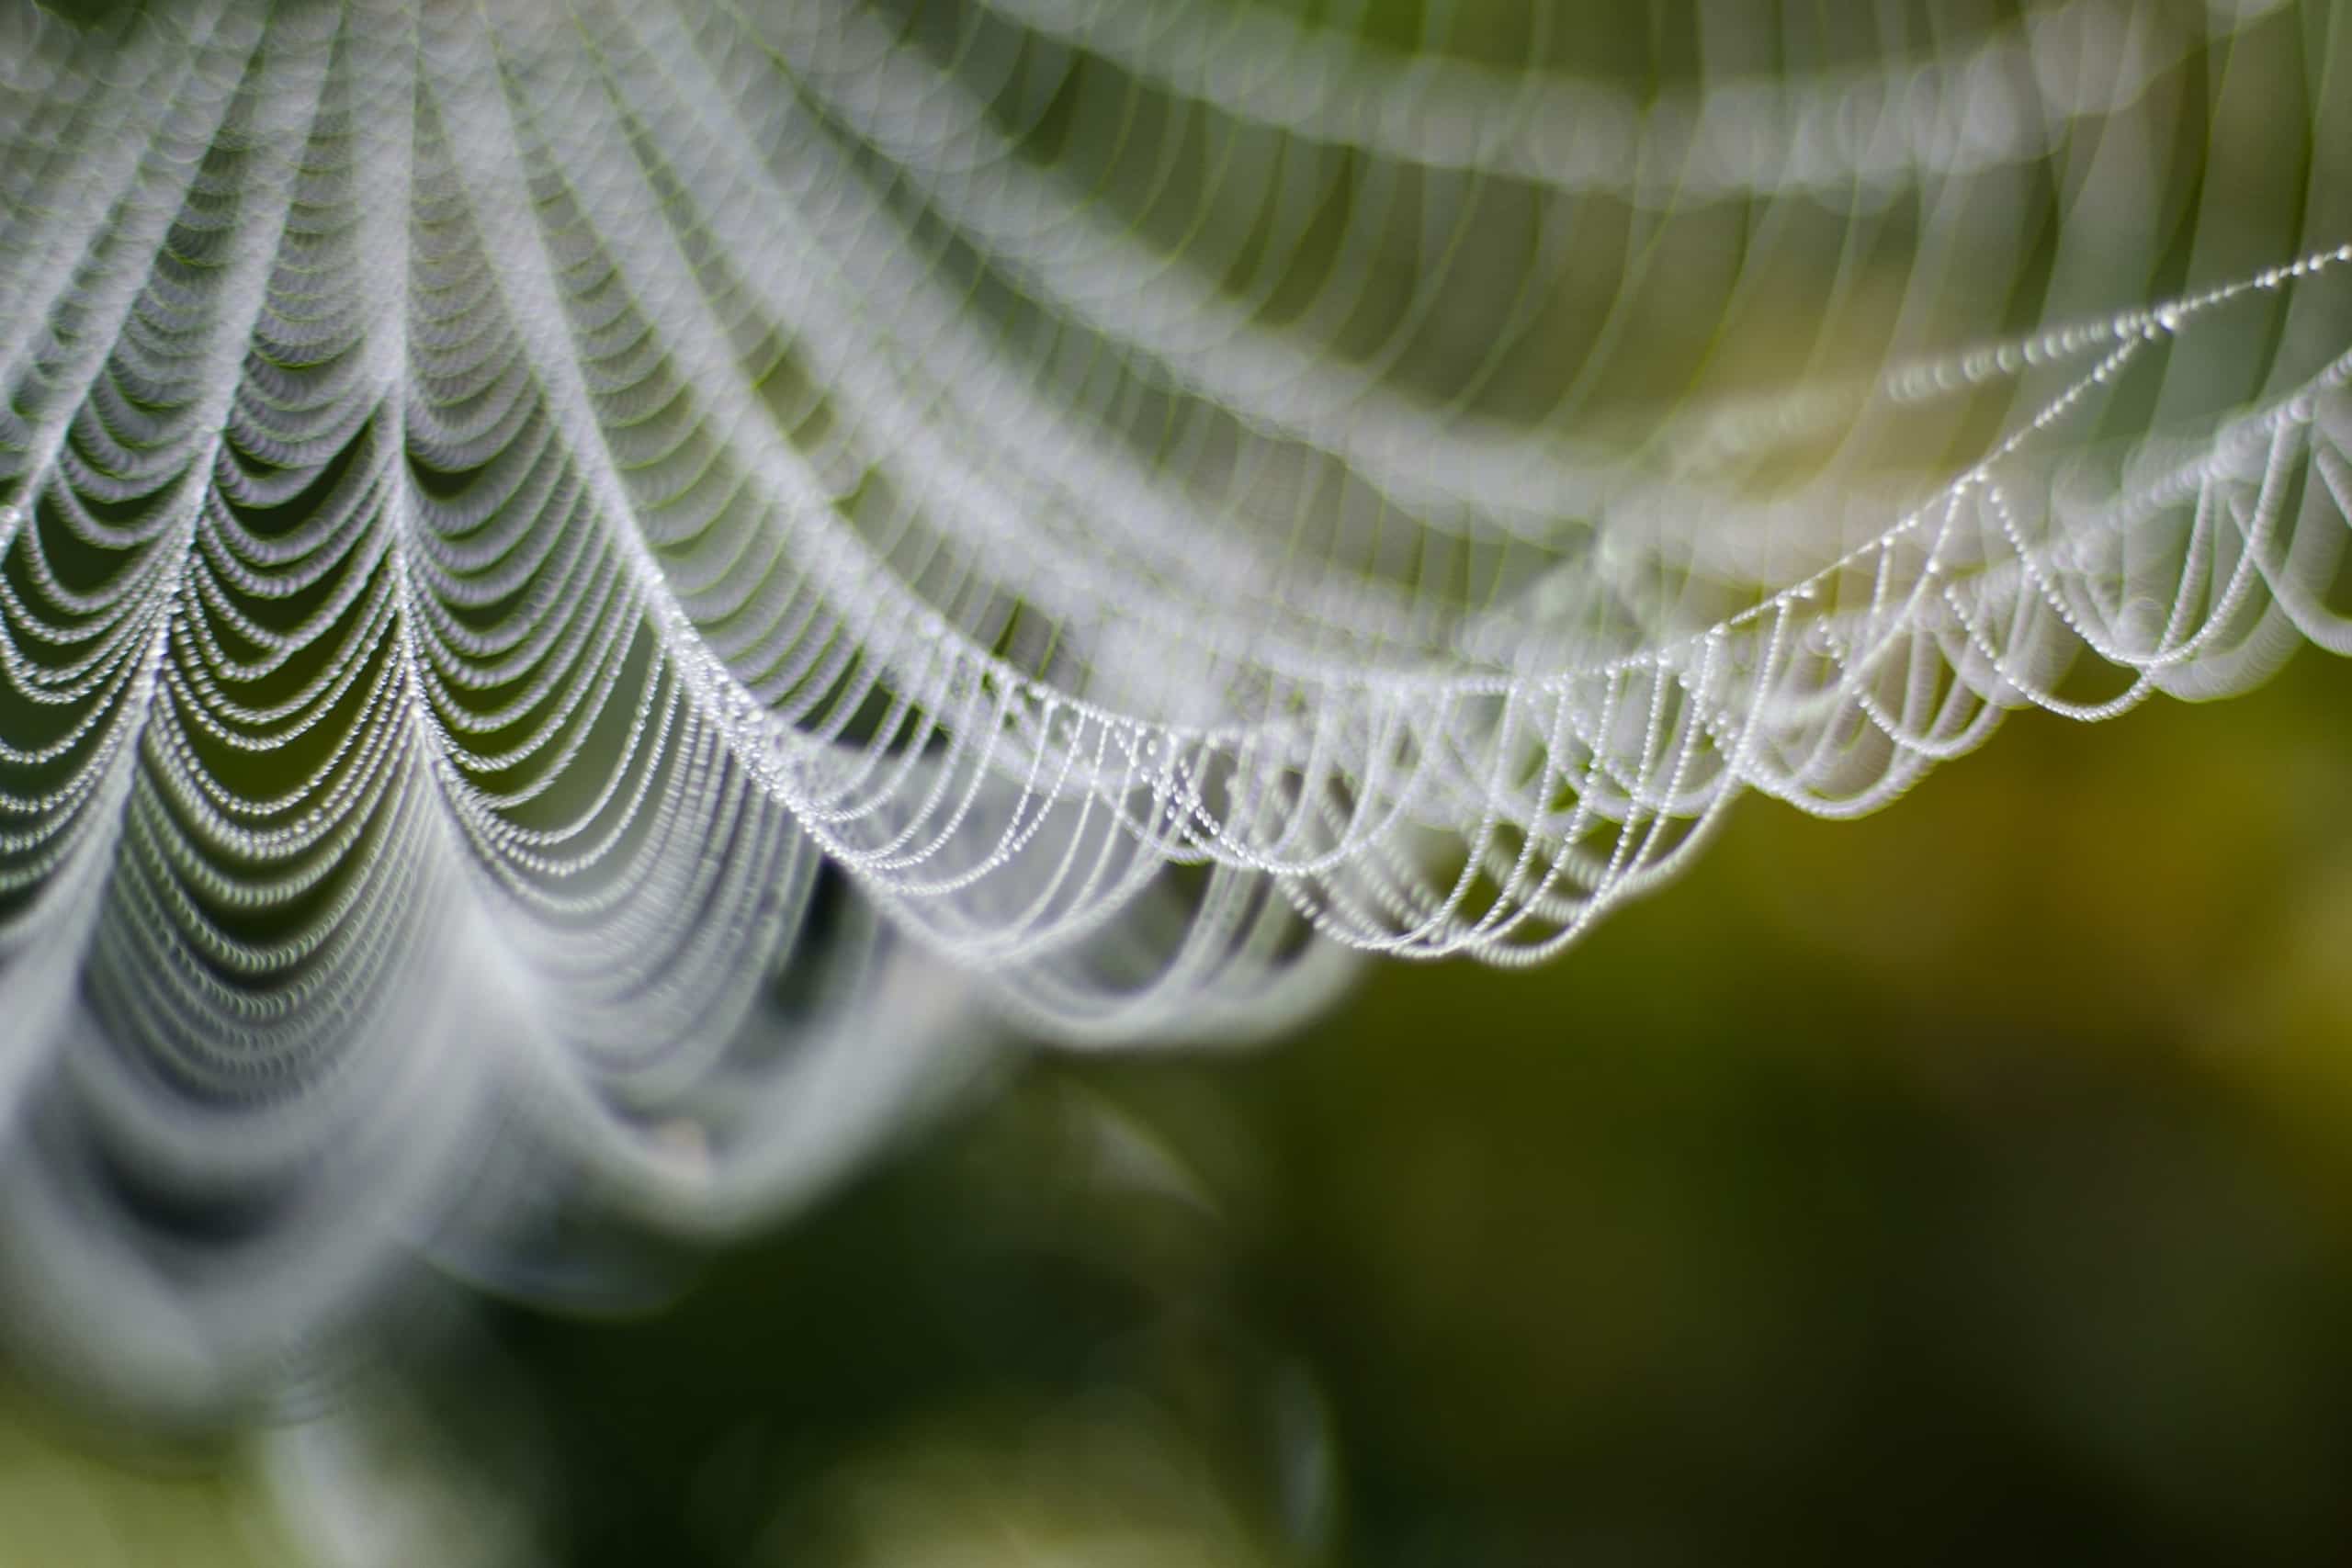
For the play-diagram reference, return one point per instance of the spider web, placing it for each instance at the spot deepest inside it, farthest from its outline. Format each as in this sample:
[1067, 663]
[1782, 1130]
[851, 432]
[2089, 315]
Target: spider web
[572, 574]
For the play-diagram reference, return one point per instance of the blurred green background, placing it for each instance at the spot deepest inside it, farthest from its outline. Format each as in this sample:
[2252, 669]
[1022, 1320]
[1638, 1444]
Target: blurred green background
[1969, 1183]
[1972, 1182]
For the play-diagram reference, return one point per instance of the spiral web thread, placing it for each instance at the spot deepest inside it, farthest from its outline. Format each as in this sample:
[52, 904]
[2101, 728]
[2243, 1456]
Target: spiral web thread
[501, 497]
